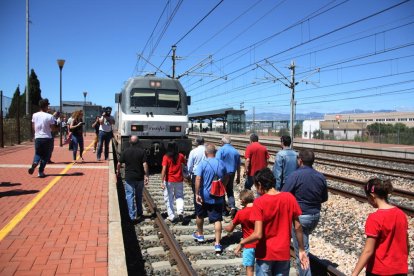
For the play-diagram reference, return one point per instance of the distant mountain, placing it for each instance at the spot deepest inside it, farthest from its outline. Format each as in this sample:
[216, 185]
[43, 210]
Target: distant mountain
[271, 116]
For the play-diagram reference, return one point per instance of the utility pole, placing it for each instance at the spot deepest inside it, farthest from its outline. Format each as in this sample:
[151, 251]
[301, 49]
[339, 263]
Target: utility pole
[292, 102]
[27, 60]
[174, 48]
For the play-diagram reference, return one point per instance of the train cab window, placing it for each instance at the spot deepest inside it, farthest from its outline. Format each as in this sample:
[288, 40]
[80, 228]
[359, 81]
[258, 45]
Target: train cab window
[143, 98]
[168, 98]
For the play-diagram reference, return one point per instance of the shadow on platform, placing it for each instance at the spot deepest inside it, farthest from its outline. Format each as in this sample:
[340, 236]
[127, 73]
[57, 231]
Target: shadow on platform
[17, 192]
[9, 184]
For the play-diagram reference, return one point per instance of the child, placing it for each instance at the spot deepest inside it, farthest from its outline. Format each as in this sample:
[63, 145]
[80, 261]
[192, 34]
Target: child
[242, 217]
[172, 181]
[386, 247]
[273, 214]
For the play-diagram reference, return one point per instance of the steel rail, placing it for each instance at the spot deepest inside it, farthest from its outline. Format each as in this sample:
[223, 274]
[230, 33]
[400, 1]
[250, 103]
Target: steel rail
[359, 183]
[273, 144]
[345, 164]
[183, 264]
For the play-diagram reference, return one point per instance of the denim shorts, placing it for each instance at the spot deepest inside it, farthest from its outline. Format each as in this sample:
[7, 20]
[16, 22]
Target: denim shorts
[213, 211]
[248, 256]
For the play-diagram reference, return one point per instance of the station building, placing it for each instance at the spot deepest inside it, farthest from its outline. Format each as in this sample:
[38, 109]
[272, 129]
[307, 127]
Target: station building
[226, 120]
[406, 118]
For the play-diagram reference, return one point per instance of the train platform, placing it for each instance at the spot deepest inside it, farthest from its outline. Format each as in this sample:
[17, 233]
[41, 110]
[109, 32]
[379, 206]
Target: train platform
[64, 223]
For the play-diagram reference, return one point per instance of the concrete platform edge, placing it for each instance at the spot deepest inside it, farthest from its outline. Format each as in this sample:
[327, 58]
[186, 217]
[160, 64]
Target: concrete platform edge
[116, 250]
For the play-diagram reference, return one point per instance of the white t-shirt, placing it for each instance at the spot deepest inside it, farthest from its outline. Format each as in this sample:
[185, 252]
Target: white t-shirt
[106, 125]
[42, 122]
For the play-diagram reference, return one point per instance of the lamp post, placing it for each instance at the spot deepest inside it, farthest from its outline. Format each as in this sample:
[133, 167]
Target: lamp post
[84, 109]
[60, 63]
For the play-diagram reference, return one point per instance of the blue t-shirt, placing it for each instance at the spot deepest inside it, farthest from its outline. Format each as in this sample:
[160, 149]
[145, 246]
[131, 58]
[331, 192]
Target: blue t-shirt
[230, 156]
[207, 169]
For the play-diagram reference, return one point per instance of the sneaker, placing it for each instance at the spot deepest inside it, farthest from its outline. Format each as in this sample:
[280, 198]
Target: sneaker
[233, 212]
[218, 248]
[32, 168]
[199, 238]
[180, 218]
[41, 174]
[50, 162]
[94, 150]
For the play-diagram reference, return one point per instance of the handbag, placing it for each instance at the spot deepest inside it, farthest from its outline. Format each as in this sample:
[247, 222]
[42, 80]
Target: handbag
[217, 187]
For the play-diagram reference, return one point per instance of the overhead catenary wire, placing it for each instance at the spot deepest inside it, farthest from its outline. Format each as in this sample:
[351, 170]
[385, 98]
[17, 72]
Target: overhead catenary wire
[316, 38]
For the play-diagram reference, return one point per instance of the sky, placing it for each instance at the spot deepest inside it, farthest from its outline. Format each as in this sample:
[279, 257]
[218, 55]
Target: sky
[347, 54]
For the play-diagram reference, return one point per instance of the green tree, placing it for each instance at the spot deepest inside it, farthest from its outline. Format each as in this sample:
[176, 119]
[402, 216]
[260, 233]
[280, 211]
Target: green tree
[35, 94]
[13, 106]
[298, 130]
[318, 134]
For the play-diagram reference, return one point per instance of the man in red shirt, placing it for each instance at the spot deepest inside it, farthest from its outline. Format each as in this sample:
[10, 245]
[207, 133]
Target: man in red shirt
[257, 158]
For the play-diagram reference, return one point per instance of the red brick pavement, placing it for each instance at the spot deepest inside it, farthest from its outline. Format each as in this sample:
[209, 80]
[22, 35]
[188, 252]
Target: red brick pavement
[66, 232]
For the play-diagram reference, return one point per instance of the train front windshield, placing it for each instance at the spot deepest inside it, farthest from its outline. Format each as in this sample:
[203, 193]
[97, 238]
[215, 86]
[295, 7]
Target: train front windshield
[155, 98]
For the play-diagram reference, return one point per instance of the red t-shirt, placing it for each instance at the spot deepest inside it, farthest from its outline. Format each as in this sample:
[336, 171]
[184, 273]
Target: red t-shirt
[389, 227]
[277, 213]
[243, 217]
[174, 172]
[258, 156]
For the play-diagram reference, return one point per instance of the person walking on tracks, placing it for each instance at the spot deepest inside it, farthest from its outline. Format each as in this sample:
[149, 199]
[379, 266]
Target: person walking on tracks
[256, 159]
[136, 176]
[310, 190]
[43, 123]
[231, 158]
[207, 205]
[196, 155]
[172, 181]
[285, 162]
[105, 133]
[243, 218]
[386, 247]
[273, 214]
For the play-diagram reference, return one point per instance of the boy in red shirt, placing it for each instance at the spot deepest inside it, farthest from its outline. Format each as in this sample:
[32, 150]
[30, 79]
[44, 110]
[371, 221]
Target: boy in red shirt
[386, 247]
[273, 214]
[243, 217]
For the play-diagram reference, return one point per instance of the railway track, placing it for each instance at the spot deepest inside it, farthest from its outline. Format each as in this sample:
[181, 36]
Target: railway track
[171, 250]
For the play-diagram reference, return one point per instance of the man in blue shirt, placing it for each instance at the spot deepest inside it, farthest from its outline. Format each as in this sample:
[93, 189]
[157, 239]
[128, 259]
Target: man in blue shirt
[310, 190]
[285, 162]
[195, 157]
[206, 172]
[231, 158]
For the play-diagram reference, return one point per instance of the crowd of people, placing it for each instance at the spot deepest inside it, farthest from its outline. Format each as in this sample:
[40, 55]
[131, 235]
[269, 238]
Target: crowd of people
[285, 204]
[46, 124]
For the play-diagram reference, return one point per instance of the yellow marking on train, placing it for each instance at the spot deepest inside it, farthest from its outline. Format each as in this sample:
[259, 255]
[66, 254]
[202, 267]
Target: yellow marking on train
[23, 212]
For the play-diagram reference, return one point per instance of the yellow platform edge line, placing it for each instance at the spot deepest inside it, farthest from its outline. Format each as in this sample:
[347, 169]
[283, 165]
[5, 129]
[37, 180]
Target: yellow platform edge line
[23, 212]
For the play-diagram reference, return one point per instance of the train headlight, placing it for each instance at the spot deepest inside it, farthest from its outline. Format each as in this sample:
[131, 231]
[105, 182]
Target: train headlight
[175, 128]
[137, 128]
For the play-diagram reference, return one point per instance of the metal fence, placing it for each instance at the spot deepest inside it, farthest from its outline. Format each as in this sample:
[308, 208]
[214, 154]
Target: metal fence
[12, 130]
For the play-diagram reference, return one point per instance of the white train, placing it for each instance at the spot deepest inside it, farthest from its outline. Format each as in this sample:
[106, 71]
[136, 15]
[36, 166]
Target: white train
[156, 110]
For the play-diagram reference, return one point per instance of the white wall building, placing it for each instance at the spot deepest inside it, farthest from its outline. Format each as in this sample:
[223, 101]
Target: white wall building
[308, 127]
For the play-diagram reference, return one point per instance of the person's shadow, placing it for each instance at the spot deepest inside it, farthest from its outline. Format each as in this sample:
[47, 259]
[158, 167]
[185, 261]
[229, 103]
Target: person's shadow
[17, 192]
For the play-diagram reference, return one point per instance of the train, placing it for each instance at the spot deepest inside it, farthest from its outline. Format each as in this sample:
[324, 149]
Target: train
[156, 110]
